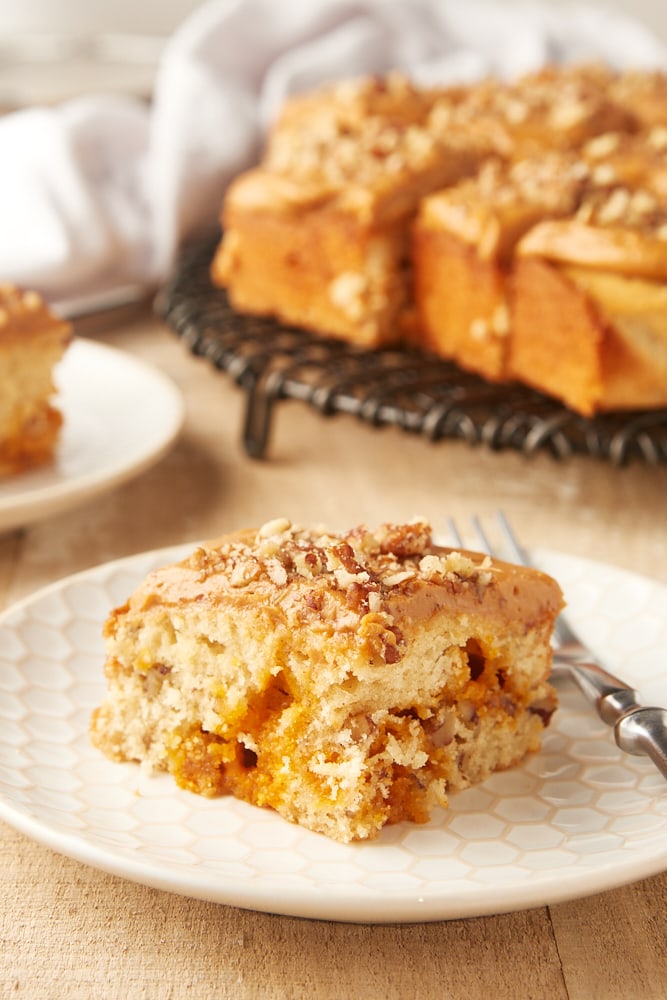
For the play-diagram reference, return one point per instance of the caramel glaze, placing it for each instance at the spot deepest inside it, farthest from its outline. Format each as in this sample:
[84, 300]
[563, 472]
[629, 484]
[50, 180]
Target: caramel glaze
[473, 583]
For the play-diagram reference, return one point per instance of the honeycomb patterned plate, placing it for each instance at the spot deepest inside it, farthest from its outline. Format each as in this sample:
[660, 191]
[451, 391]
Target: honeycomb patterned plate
[578, 818]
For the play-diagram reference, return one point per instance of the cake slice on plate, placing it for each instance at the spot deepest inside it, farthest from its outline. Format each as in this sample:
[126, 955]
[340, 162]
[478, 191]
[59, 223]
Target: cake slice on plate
[345, 680]
[32, 341]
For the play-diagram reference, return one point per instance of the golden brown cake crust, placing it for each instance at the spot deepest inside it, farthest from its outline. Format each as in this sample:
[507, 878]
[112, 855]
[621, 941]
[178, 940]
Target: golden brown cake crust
[316, 234]
[344, 680]
[463, 245]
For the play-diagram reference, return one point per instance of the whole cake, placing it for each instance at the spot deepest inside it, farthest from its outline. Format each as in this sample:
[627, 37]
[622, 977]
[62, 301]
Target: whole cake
[516, 228]
[32, 341]
[345, 680]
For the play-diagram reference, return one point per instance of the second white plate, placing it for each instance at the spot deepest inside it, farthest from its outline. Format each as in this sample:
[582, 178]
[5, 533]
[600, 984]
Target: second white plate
[577, 818]
[120, 416]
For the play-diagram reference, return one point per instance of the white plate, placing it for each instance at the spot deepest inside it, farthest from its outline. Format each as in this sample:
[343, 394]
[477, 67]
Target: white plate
[120, 417]
[578, 818]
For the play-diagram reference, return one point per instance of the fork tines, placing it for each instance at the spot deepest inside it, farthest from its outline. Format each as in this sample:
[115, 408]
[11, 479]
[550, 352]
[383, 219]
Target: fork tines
[482, 539]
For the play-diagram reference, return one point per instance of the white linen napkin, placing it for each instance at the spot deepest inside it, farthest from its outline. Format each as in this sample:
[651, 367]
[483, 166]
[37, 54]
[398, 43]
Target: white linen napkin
[100, 192]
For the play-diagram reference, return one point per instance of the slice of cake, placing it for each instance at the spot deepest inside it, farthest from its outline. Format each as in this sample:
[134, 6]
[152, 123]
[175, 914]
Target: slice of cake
[32, 341]
[344, 680]
[463, 246]
[589, 323]
[317, 234]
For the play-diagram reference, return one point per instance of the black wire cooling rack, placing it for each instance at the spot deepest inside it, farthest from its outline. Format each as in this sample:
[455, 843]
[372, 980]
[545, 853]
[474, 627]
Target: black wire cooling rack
[390, 387]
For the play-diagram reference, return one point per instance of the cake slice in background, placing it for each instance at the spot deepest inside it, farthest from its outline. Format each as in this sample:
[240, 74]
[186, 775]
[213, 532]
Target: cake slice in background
[463, 245]
[32, 341]
[318, 234]
[344, 680]
[589, 323]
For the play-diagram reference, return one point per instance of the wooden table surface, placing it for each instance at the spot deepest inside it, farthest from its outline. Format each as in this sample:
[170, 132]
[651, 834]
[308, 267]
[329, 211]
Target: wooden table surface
[67, 930]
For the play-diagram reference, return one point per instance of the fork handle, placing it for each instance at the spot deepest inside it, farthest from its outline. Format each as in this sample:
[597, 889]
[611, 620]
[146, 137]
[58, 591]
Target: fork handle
[638, 729]
[611, 696]
[644, 731]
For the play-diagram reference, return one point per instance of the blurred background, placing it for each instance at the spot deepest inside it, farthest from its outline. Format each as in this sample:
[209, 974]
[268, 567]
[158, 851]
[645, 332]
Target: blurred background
[53, 49]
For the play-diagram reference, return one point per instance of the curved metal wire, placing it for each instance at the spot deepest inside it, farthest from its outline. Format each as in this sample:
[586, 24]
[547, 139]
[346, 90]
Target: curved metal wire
[389, 387]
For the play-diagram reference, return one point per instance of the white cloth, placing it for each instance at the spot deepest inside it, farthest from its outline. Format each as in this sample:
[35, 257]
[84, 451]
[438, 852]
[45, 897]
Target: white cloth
[101, 191]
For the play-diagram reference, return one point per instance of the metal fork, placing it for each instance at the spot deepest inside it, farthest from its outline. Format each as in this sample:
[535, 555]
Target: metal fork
[638, 729]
